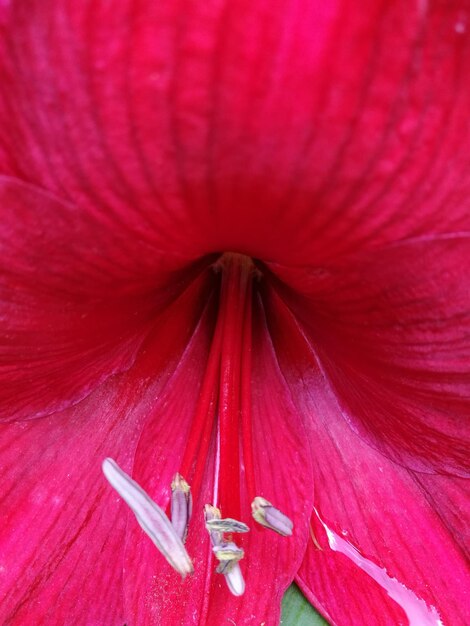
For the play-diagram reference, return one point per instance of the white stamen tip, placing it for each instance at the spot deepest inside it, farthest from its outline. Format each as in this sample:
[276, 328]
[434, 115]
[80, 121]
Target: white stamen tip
[235, 581]
[150, 516]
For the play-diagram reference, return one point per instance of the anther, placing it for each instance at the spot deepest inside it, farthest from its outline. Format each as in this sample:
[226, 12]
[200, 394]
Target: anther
[150, 516]
[267, 515]
[227, 554]
[226, 525]
[181, 506]
[228, 551]
[213, 513]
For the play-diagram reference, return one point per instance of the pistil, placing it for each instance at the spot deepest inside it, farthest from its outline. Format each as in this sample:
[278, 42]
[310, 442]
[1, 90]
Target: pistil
[203, 424]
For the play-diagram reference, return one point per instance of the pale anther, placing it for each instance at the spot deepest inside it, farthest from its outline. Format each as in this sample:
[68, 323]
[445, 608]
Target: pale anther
[267, 515]
[150, 516]
[181, 506]
[226, 525]
[224, 567]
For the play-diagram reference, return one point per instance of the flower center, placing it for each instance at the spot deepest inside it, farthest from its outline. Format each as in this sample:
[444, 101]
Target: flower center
[223, 409]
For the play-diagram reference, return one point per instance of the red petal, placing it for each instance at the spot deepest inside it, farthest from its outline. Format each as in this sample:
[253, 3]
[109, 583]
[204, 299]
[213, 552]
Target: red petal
[392, 333]
[413, 565]
[154, 592]
[76, 300]
[381, 509]
[332, 125]
[449, 496]
[63, 529]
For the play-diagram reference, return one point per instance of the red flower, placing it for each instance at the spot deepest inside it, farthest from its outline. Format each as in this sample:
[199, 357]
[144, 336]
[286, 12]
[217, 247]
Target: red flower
[140, 140]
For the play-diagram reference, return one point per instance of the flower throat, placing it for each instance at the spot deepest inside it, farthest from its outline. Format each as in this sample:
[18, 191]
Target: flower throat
[224, 405]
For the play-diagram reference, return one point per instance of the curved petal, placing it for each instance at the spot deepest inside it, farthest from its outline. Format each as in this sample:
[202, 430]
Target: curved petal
[332, 125]
[450, 498]
[155, 594]
[384, 552]
[392, 332]
[401, 560]
[61, 533]
[76, 300]
[63, 530]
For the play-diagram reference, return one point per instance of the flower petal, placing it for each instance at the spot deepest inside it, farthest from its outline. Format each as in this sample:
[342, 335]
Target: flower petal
[402, 562]
[401, 555]
[62, 530]
[63, 527]
[225, 117]
[392, 332]
[449, 497]
[76, 300]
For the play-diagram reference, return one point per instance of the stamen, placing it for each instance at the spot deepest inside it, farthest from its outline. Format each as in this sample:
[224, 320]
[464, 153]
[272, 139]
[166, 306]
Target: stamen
[227, 525]
[267, 515]
[150, 516]
[200, 435]
[181, 506]
[227, 553]
[246, 400]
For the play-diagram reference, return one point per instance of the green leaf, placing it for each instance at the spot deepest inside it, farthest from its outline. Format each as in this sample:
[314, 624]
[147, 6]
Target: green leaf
[297, 611]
